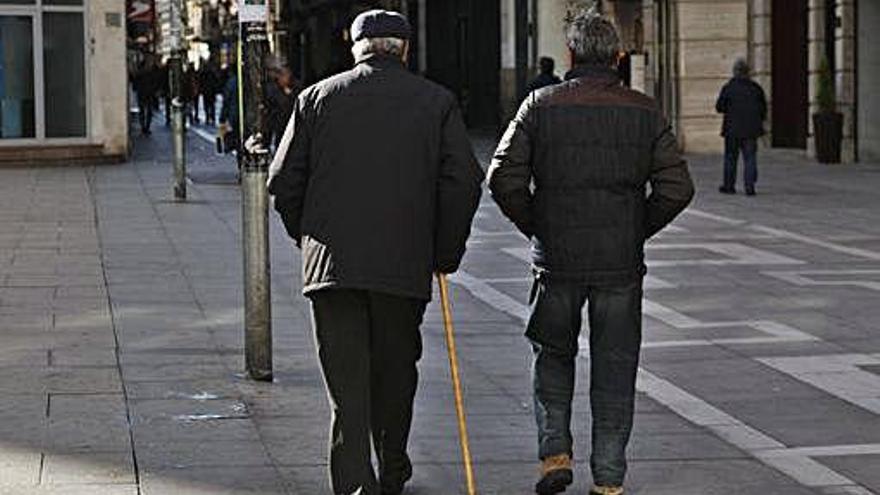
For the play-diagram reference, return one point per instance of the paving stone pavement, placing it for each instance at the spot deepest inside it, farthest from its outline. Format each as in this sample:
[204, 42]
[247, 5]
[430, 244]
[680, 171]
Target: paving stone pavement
[121, 343]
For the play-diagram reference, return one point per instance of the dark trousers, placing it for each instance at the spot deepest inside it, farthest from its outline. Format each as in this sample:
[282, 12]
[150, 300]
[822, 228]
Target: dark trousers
[146, 104]
[209, 102]
[368, 345]
[732, 148]
[615, 321]
[167, 99]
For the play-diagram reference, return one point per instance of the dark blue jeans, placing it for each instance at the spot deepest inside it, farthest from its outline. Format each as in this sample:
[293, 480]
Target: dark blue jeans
[615, 321]
[749, 149]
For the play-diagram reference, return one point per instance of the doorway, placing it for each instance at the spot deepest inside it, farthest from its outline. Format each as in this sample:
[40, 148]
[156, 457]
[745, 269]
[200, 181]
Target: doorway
[790, 67]
[464, 55]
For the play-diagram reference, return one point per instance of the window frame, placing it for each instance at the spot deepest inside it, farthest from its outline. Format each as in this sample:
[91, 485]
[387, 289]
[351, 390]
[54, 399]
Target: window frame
[36, 11]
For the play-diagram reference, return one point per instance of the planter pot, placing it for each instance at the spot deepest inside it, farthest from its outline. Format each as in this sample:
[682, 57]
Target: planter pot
[828, 129]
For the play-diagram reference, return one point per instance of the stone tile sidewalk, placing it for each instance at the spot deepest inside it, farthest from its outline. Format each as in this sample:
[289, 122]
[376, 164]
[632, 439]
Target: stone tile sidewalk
[121, 344]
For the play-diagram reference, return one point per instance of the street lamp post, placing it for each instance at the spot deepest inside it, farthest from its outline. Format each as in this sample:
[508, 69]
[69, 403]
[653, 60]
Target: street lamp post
[253, 47]
[175, 84]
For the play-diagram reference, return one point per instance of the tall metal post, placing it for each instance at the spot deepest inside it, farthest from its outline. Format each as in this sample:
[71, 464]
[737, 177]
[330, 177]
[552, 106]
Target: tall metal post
[175, 84]
[521, 46]
[253, 48]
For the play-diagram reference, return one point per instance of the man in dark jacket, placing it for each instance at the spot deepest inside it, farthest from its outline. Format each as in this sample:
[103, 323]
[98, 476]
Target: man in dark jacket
[571, 172]
[281, 95]
[147, 82]
[376, 181]
[744, 106]
[209, 86]
[546, 77]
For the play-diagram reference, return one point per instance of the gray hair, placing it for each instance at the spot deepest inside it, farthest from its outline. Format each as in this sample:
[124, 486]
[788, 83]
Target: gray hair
[592, 38]
[741, 68]
[379, 46]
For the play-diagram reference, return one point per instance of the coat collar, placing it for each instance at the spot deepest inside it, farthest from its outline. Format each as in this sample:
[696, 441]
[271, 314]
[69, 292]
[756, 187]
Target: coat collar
[381, 61]
[592, 72]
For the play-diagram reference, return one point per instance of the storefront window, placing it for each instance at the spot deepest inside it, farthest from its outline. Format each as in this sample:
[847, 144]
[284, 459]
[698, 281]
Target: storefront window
[42, 70]
[64, 79]
[16, 77]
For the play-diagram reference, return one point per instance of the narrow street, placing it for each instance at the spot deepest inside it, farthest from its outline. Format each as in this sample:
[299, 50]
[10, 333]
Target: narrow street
[121, 320]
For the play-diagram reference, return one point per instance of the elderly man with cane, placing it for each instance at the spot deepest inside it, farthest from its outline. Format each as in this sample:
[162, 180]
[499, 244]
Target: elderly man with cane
[376, 182]
[572, 173]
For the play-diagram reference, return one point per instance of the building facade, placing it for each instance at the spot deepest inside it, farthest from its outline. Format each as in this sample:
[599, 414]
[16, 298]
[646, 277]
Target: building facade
[679, 51]
[63, 83]
[687, 48]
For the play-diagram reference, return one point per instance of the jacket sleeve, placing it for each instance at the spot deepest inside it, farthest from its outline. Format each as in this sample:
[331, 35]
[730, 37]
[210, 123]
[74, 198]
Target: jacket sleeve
[458, 193]
[510, 175]
[289, 172]
[762, 102]
[671, 186]
[721, 104]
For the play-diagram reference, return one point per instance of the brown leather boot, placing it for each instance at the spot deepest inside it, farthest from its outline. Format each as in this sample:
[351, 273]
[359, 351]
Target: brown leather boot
[556, 475]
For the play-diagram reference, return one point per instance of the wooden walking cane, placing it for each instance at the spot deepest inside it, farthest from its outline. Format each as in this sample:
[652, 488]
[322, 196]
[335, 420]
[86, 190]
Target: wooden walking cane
[456, 385]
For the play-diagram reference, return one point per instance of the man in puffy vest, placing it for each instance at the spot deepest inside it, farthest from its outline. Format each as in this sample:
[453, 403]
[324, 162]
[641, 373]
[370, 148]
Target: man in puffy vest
[572, 173]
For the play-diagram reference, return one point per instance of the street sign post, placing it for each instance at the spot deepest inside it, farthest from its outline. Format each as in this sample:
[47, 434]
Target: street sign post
[253, 48]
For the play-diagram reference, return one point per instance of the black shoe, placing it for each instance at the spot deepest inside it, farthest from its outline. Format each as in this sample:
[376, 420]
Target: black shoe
[750, 191]
[554, 482]
[393, 484]
[727, 190]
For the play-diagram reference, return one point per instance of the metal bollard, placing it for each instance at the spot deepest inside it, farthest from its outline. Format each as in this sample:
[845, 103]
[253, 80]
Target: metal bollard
[257, 281]
[178, 139]
[175, 84]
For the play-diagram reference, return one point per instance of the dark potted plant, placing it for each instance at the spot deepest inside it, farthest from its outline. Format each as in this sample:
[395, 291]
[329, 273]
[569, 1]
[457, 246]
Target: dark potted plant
[827, 122]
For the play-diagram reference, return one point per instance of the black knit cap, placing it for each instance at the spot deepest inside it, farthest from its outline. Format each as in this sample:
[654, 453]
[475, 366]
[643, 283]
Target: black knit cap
[380, 24]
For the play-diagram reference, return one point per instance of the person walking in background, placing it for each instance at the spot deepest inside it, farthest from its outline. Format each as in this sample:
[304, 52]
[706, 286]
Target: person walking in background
[546, 77]
[209, 86]
[281, 95]
[191, 93]
[376, 181]
[744, 106]
[229, 116]
[146, 83]
[572, 172]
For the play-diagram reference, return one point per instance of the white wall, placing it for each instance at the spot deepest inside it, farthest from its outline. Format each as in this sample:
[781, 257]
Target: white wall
[108, 79]
[508, 34]
[551, 33]
[869, 80]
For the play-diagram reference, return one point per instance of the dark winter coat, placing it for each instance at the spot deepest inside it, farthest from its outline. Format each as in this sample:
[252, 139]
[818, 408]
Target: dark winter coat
[376, 180]
[147, 82]
[542, 81]
[744, 106]
[210, 80]
[572, 172]
[279, 106]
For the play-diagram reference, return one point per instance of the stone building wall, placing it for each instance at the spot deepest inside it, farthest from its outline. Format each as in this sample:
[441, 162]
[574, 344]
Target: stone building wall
[868, 80]
[711, 36]
[845, 75]
[108, 79]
